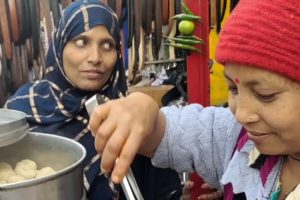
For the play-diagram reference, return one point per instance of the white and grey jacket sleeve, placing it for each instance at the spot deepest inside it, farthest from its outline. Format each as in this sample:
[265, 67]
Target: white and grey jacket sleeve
[198, 139]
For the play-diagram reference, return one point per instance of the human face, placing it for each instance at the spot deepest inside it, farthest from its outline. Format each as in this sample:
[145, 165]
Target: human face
[268, 106]
[90, 58]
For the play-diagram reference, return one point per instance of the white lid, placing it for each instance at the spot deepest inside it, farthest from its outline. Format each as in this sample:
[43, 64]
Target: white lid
[13, 126]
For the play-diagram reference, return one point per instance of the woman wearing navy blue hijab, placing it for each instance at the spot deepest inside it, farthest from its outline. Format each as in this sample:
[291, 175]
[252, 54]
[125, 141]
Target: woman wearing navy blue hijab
[84, 59]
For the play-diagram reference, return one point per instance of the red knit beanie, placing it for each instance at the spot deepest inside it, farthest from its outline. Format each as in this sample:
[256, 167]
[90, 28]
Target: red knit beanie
[265, 34]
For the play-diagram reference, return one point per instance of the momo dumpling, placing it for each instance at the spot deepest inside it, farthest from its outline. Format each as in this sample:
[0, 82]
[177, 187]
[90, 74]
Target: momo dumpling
[14, 179]
[2, 182]
[5, 166]
[26, 168]
[44, 172]
[6, 173]
[6, 170]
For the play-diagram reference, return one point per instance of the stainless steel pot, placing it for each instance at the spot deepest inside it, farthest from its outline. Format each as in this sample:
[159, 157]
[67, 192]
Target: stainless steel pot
[64, 155]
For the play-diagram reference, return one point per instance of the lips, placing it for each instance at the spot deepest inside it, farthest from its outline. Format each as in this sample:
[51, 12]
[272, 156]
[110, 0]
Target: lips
[257, 136]
[257, 133]
[92, 74]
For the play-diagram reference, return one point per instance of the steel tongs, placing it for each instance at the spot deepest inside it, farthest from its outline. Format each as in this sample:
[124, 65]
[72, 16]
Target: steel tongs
[129, 184]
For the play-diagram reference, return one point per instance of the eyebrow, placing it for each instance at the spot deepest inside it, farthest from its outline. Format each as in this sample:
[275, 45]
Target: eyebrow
[109, 40]
[249, 83]
[78, 37]
[106, 39]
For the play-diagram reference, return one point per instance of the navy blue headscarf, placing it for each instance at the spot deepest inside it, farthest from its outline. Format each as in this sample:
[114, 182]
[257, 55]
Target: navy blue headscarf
[53, 105]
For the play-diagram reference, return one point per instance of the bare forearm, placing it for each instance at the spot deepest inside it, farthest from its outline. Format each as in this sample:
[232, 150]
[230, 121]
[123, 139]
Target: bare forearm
[154, 139]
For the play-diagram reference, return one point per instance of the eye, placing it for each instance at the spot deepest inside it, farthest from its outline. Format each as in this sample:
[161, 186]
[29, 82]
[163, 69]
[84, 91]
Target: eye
[81, 42]
[233, 89]
[266, 97]
[108, 45]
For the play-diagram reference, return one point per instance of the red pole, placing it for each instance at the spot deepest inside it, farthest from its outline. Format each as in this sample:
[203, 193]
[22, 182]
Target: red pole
[198, 64]
[198, 73]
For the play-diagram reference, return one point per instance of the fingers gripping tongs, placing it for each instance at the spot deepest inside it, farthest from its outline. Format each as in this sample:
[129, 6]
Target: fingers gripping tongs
[129, 184]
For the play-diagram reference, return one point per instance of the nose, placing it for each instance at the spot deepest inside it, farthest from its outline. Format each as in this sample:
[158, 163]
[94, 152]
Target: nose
[245, 111]
[94, 55]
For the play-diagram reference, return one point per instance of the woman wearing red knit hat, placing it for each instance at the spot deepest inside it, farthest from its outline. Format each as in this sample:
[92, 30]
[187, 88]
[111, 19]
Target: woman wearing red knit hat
[251, 149]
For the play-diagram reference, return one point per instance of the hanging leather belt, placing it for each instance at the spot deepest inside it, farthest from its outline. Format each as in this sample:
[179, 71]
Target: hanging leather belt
[15, 69]
[23, 20]
[149, 17]
[1, 37]
[54, 6]
[171, 14]
[172, 28]
[26, 14]
[137, 23]
[213, 13]
[143, 35]
[220, 9]
[29, 50]
[35, 26]
[165, 12]
[130, 19]
[14, 21]
[130, 40]
[24, 64]
[218, 15]
[4, 81]
[147, 10]
[158, 26]
[137, 36]
[5, 29]
[48, 19]
[119, 9]
[178, 7]
[141, 49]
[115, 5]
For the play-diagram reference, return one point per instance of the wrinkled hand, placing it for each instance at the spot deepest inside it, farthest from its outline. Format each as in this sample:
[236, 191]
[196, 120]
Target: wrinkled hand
[120, 128]
[186, 190]
[189, 185]
[213, 195]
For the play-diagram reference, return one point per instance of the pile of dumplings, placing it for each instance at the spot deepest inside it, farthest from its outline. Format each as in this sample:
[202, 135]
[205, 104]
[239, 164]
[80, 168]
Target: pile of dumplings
[24, 170]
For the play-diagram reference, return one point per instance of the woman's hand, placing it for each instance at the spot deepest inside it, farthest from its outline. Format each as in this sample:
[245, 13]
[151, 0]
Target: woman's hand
[213, 195]
[189, 185]
[124, 127]
[186, 191]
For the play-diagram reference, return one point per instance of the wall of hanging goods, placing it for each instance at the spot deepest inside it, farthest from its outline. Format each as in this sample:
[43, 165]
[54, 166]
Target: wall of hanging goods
[157, 36]
[25, 30]
[149, 30]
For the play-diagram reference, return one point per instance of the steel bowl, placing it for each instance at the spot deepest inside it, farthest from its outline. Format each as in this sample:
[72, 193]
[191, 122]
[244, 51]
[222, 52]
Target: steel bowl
[64, 155]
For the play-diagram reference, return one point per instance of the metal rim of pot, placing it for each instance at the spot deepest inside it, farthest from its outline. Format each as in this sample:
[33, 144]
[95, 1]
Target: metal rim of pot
[13, 126]
[14, 132]
[59, 173]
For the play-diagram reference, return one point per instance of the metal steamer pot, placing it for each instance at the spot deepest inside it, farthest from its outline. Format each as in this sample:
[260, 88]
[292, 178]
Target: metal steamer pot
[64, 155]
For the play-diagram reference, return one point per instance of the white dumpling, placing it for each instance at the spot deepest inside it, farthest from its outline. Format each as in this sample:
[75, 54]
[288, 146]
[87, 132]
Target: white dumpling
[29, 163]
[2, 182]
[14, 179]
[5, 166]
[5, 170]
[6, 173]
[44, 172]
[26, 168]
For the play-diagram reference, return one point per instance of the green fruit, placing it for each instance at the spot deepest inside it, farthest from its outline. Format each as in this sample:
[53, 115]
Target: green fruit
[186, 27]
